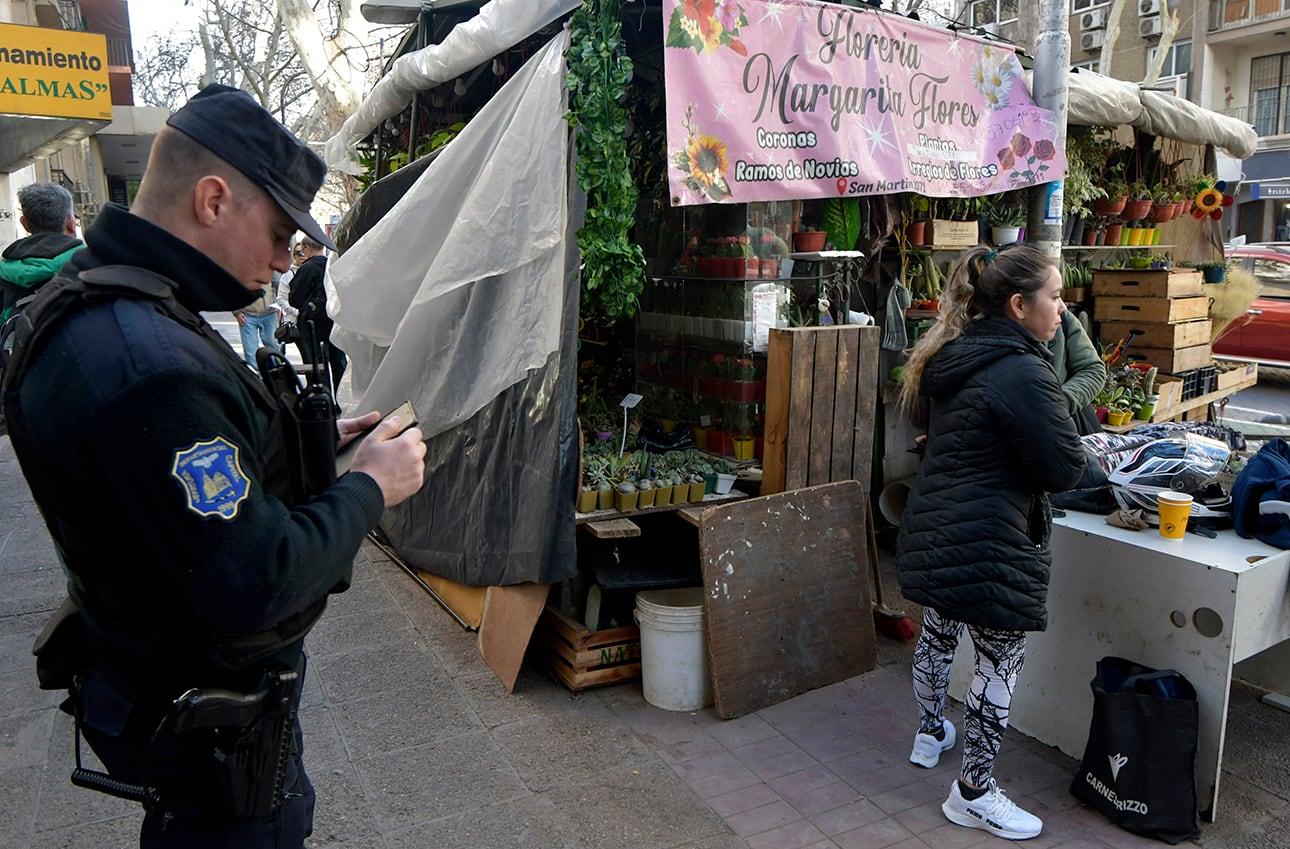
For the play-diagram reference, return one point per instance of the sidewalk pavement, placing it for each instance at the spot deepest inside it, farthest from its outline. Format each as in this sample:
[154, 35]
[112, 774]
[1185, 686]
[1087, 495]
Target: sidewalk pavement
[412, 742]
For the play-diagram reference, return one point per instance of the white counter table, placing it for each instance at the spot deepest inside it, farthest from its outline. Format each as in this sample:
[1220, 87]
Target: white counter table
[1201, 606]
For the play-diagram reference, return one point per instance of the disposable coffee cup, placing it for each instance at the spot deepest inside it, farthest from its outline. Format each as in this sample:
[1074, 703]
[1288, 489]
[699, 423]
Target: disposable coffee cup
[1174, 507]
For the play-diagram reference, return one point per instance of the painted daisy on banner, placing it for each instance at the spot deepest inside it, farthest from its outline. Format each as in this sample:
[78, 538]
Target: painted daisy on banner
[994, 73]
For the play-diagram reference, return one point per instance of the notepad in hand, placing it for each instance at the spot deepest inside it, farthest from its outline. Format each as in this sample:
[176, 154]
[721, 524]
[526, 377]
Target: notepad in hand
[345, 457]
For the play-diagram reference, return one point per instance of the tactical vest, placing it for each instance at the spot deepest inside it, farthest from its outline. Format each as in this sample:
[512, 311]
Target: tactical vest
[54, 304]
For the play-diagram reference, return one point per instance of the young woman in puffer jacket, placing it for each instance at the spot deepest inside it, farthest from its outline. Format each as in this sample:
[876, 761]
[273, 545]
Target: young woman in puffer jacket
[973, 544]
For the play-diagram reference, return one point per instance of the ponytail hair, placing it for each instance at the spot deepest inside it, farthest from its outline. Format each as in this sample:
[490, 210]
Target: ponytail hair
[980, 284]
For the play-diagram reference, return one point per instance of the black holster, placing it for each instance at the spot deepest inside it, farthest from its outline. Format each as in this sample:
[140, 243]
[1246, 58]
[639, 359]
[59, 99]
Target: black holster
[253, 736]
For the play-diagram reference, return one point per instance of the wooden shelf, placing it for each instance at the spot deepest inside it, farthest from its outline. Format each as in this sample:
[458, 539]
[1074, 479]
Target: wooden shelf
[1116, 248]
[1184, 406]
[709, 499]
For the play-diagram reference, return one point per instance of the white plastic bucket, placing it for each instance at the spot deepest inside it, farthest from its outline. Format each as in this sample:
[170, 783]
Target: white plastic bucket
[674, 652]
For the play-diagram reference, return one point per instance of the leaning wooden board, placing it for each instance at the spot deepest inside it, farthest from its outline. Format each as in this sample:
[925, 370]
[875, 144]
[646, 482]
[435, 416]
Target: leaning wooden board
[786, 597]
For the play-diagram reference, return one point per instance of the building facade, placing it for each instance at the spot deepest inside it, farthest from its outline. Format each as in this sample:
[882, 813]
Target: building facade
[67, 112]
[1229, 56]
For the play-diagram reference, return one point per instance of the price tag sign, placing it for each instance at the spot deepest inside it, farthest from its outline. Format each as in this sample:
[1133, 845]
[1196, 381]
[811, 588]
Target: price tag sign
[631, 400]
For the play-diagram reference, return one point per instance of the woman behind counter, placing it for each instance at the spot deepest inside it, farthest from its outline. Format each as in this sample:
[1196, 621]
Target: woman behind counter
[973, 544]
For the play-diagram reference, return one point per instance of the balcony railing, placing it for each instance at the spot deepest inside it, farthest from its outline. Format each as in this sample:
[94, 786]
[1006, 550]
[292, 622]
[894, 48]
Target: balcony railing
[1226, 14]
[118, 52]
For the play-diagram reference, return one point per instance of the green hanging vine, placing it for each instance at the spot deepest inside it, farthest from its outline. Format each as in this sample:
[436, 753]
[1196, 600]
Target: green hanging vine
[613, 266]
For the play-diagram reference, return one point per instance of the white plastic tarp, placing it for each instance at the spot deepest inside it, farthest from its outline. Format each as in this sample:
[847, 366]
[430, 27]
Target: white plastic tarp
[456, 292]
[499, 25]
[1095, 99]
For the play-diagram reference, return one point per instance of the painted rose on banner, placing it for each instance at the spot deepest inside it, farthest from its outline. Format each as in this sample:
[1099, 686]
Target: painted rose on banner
[777, 99]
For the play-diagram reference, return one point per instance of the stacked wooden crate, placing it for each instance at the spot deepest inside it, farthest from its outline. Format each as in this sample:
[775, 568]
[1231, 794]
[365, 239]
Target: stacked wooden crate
[1168, 310]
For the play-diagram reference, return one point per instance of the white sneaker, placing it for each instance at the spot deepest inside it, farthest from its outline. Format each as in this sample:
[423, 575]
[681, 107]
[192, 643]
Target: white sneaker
[994, 812]
[927, 749]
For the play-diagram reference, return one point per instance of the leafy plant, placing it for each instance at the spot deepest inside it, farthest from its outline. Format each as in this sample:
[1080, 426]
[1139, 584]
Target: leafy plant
[613, 266]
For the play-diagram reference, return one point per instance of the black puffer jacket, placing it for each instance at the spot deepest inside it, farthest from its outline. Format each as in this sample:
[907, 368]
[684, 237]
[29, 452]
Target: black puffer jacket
[973, 541]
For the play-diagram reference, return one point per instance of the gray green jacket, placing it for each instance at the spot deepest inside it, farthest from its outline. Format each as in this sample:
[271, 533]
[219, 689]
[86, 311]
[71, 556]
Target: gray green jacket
[1079, 367]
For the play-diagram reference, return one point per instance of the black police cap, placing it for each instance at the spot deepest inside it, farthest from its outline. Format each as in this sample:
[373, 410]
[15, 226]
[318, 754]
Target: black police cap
[230, 124]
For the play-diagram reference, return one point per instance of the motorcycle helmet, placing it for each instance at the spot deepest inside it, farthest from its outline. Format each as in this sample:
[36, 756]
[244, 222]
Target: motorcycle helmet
[1183, 463]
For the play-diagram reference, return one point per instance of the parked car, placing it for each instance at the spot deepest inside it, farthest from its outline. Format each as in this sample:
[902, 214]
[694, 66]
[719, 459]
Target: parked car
[1264, 334]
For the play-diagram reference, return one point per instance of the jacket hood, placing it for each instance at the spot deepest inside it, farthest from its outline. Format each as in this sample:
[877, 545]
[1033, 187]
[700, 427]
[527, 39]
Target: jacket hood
[983, 342]
[41, 246]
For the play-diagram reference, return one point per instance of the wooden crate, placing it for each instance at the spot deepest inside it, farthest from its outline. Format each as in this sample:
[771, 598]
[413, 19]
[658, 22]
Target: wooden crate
[1233, 376]
[1167, 310]
[580, 658]
[1171, 360]
[1169, 389]
[1148, 283]
[821, 390]
[953, 234]
[1184, 334]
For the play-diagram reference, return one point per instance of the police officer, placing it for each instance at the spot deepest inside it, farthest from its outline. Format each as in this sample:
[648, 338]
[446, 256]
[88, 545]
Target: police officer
[163, 468]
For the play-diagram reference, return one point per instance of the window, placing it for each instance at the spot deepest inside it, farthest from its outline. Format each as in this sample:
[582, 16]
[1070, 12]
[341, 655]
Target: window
[1177, 62]
[1090, 65]
[1269, 93]
[986, 12]
[1078, 6]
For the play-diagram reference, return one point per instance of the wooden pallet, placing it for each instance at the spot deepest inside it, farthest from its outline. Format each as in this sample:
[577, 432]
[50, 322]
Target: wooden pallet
[581, 659]
[821, 388]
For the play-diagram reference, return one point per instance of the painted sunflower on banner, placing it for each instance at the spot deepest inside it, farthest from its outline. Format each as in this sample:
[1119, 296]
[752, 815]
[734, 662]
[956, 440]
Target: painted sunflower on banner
[707, 25]
[994, 73]
[704, 160]
[1211, 198]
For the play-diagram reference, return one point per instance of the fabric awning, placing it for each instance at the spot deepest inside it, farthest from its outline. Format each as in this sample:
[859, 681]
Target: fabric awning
[1096, 99]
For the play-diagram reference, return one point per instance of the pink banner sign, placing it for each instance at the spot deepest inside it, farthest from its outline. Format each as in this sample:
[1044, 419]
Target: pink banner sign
[787, 99]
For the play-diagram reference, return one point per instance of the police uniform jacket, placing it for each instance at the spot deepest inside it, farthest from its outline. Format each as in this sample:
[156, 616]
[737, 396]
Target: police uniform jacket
[973, 542]
[161, 475]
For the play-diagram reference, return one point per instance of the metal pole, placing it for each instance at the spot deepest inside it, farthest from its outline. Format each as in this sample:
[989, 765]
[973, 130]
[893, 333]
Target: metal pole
[1051, 91]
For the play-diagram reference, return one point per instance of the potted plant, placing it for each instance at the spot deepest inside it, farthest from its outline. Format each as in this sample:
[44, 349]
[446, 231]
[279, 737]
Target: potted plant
[915, 219]
[1213, 272]
[1138, 206]
[1006, 220]
[809, 240]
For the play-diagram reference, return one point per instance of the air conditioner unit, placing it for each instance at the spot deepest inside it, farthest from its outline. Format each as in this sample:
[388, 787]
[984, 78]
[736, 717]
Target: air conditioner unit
[1090, 41]
[1092, 20]
[1148, 7]
[1148, 27]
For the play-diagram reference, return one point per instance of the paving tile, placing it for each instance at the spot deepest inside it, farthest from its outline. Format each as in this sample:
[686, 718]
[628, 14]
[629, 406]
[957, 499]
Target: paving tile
[726, 781]
[825, 798]
[947, 835]
[908, 796]
[396, 720]
[116, 833]
[848, 817]
[343, 815]
[876, 835]
[649, 808]
[743, 799]
[422, 783]
[923, 818]
[525, 823]
[547, 751]
[794, 835]
[742, 731]
[763, 818]
[774, 757]
[366, 670]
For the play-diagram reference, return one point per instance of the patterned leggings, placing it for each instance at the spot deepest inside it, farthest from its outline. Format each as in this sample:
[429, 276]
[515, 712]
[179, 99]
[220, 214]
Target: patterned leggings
[999, 656]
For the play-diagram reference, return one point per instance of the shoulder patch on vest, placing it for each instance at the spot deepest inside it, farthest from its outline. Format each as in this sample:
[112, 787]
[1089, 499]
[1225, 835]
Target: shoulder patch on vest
[211, 474]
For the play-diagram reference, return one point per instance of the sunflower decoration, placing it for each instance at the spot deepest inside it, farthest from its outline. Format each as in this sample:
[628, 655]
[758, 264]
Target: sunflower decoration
[704, 159]
[1210, 200]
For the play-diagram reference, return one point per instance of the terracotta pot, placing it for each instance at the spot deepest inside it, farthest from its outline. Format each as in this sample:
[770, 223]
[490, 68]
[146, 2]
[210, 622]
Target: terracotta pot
[809, 240]
[1160, 213]
[1109, 206]
[1090, 237]
[1113, 232]
[770, 266]
[916, 232]
[1135, 210]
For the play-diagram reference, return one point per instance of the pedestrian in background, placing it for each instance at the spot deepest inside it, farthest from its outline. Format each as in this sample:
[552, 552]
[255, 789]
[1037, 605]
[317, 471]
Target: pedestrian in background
[258, 322]
[167, 475]
[308, 296]
[973, 543]
[30, 262]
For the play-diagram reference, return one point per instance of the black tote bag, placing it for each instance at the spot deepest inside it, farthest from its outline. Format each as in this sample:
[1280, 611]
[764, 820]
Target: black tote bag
[1139, 767]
